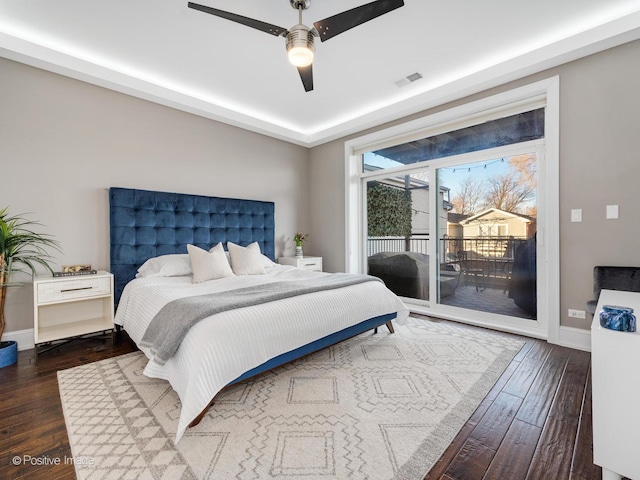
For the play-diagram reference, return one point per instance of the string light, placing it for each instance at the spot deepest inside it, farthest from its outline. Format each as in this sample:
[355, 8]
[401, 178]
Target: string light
[485, 165]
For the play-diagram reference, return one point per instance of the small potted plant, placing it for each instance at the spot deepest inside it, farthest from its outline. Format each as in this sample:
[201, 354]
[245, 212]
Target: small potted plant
[21, 249]
[299, 238]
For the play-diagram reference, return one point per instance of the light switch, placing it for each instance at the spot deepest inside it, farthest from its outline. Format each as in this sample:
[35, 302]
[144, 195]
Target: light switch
[612, 211]
[576, 214]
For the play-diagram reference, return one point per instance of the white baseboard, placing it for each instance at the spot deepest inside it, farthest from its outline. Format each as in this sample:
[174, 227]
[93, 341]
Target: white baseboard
[571, 337]
[577, 338]
[23, 337]
[502, 327]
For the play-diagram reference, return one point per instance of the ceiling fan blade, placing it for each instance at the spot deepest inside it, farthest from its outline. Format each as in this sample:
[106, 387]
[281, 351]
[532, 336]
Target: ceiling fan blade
[332, 26]
[249, 22]
[306, 75]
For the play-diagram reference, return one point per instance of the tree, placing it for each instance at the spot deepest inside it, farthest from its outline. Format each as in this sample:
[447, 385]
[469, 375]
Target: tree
[506, 192]
[471, 197]
[525, 168]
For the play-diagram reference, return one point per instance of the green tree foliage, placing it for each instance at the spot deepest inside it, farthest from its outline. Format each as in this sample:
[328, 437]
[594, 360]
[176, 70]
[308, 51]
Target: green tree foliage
[388, 211]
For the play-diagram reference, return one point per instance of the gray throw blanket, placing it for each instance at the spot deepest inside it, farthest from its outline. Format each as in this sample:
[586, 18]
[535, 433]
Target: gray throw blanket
[170, 325]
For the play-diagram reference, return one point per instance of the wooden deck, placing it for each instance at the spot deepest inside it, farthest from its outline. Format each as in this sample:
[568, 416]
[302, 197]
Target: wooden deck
[534, 424]
[492, 300]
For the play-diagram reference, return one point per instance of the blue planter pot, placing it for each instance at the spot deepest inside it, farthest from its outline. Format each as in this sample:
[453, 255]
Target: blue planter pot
[8, 353]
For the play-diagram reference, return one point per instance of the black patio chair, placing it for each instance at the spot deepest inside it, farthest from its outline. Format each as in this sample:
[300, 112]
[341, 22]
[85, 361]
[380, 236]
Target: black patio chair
[469, 270]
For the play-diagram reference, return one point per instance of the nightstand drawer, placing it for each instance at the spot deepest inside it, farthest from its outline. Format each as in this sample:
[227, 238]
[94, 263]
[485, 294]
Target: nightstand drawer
[73, 289]
[310, 263]
[306, 263]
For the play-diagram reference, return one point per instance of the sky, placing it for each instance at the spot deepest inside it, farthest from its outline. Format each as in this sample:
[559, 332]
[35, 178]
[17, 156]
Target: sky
[453, 177]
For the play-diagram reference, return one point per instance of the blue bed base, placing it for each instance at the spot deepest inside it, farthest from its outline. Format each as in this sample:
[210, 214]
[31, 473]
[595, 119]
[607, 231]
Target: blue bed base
[312, 347]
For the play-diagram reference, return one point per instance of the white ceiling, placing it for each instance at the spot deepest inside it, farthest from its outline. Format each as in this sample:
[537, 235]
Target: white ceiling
[165, 52]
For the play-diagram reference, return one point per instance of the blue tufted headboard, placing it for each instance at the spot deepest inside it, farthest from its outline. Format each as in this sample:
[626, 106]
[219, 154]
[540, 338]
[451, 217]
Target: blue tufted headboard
[145, 224]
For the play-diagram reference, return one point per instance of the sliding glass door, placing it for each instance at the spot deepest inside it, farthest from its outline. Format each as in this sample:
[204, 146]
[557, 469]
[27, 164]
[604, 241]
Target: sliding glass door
[471, 232]
[487, 258]
[475, 215]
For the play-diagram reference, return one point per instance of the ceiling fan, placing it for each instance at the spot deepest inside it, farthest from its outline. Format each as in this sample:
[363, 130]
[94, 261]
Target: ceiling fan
[300, 38]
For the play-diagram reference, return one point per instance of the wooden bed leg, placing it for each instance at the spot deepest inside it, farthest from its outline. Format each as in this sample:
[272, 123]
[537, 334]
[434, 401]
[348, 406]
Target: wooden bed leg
[389, 326]
[199, 418]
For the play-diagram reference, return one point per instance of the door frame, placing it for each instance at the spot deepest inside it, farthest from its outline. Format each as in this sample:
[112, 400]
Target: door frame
[545, 94]
[537, 328]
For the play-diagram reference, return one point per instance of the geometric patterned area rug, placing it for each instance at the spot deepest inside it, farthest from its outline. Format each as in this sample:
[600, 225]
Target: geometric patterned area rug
[377, 406]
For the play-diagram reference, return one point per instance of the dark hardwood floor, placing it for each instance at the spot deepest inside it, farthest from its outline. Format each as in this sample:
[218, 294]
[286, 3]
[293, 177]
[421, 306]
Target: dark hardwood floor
[534, 424]
[31, 418]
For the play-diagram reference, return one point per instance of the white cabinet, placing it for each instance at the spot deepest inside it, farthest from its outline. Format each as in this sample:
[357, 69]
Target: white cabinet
[615, 369]
[306, 263]
[65, 307]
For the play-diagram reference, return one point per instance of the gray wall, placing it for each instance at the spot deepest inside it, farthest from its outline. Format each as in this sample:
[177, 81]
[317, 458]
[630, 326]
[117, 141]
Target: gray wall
[64, 142]
[599, 165]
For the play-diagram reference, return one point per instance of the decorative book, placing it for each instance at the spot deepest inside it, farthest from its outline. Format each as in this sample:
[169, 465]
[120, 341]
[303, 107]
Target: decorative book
[73, 274]
[71, 270]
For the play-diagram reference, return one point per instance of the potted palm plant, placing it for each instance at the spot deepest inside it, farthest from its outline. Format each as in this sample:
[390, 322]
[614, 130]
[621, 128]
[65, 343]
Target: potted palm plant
[21, 250]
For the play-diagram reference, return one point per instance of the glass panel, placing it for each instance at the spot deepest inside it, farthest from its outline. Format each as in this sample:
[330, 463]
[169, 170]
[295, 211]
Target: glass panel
[496, 133]
[488, 249]
[398, 213]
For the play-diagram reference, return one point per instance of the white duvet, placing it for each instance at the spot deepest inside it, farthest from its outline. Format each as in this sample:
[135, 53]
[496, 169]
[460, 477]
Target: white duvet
[220, 348]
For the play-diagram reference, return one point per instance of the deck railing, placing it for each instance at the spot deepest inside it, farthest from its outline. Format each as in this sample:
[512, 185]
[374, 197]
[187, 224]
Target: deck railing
[493, 255]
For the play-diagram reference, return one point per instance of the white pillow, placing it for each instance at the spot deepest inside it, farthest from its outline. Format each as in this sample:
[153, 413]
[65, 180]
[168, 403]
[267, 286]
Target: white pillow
[266, 261]
[209, 265]
[174, 265]
[246, 260]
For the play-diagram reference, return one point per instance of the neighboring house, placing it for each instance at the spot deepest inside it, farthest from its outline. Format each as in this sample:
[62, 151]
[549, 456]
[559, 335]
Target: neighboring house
[494, 222]
[454, 226]
[420, 206]
[455, 233]
[491, 232]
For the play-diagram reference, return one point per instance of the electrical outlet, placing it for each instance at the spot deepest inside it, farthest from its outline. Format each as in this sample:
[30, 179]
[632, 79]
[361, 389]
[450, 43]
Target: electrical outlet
[577, 313]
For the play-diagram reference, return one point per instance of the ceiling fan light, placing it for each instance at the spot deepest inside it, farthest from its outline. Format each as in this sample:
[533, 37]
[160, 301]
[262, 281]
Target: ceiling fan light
[300, 56]
[300, 48]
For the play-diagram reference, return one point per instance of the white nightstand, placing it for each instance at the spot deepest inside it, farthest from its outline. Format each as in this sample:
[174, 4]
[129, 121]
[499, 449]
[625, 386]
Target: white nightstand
[306, 263]
[65, 307]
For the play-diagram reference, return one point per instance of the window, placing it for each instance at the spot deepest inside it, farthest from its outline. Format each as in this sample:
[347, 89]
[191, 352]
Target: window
[519, 128]
[523, 121]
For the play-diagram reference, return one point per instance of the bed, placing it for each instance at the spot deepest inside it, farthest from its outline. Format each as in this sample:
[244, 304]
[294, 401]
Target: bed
[231, 345]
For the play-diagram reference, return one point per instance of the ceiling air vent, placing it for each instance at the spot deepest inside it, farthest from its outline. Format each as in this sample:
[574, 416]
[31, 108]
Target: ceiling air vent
[407, 80]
